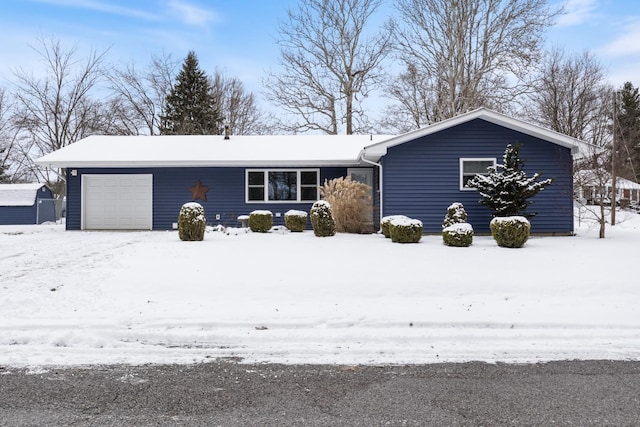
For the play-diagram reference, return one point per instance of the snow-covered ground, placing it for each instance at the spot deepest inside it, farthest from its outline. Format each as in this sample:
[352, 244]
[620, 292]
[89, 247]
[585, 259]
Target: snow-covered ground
[69, 298]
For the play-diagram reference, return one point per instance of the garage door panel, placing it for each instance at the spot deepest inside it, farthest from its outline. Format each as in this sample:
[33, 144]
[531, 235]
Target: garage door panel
[117, 202]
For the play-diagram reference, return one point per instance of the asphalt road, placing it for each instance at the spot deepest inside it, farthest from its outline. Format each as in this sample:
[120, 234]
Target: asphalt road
[226, 393]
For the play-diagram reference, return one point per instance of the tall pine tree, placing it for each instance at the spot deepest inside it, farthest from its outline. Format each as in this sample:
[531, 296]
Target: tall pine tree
[628, 131]
[506, 190]
[190, 107]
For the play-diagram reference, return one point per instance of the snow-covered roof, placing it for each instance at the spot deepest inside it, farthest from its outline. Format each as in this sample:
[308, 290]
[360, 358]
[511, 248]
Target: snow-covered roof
[212, 150]
[264, 150]
[18, 194]
[377, 150]
[589, 177]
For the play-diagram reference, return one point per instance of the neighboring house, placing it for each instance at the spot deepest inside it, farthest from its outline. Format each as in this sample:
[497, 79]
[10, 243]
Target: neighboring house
[593, 188]
[140, 182]
[26, 204]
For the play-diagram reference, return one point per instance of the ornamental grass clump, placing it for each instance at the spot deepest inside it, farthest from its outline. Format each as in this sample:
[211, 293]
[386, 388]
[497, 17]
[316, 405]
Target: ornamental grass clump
[350, 204]
[191, 222]
[322, 219]
[510, 231]
[260, 221]
[295, 220]
[405, 230]
[456, 231]
[386, 221]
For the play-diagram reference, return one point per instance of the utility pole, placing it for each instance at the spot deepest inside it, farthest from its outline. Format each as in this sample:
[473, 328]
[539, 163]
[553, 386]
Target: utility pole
[613, 161]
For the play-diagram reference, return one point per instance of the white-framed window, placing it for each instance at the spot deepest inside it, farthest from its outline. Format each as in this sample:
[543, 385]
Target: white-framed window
[470, 167]
[282, 185]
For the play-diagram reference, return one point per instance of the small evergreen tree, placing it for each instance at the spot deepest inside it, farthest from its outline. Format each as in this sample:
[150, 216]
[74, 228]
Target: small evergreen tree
[190, 107]
[506, 190]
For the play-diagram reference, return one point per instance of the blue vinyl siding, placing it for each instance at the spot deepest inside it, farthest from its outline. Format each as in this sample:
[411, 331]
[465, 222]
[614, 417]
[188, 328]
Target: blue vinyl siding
[225, 196]
[17, 215]
[422, 177]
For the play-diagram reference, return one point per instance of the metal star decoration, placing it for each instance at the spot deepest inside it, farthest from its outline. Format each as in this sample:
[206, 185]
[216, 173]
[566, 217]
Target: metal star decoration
[199, 191]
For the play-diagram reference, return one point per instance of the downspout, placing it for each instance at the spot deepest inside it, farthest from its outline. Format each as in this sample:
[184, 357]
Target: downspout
[379, 165]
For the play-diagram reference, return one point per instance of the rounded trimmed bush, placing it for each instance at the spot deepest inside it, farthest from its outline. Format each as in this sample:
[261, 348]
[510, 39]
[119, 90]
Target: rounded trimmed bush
[295, 220]
[510, 231]
[458, 234]
[260, 221]
[405, 230]
[455, 215]
[322, 219]
[386, 221]
[191, 222]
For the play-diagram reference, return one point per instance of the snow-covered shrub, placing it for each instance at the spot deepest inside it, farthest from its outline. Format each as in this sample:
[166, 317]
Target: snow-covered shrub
[455, 215]
[322, 219]
[191, 222]
[458, 234]
[350, 204]
[510, 231]
[295, 220]
[260, 221]
[386, 221]
[405, 230]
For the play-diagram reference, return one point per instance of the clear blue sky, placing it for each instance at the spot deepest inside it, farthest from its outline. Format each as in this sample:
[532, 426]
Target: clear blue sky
[238, 35]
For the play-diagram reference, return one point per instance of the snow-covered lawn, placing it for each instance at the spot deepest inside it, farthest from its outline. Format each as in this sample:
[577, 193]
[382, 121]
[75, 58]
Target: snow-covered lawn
[146, 297]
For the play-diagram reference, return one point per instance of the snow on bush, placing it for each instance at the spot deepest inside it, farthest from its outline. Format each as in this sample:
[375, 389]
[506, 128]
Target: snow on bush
[322, 219]
[455, 215]
[405, 230]
[295, 220]
[510, 231]
[459, 234]
[386, 221]
[455, 229]
[260, 221]
[191, 222]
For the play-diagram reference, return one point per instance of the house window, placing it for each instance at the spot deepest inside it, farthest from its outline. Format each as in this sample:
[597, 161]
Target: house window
[282, 185]
[472, 167]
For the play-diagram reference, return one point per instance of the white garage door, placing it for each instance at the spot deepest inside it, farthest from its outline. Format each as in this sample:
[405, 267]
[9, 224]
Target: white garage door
[117, 202]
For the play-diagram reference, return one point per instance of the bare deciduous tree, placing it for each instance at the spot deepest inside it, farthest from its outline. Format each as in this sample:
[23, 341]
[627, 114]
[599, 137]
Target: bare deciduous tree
[570, 95]
[55, 109]
[415, 96]
[140, 95]
[329, 64]
[237, 106]
[471, 53]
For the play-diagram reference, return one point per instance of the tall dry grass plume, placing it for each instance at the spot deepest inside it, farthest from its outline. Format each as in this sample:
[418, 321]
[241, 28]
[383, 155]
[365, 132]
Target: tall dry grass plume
[351, 204]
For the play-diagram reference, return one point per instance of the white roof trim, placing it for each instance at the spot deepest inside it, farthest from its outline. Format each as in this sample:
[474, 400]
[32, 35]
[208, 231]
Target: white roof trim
[376, 150]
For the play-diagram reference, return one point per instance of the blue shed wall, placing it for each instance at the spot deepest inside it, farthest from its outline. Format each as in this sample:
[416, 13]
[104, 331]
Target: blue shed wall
[20, 215]
[422, 177]
[225, 196]
[17, 215]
